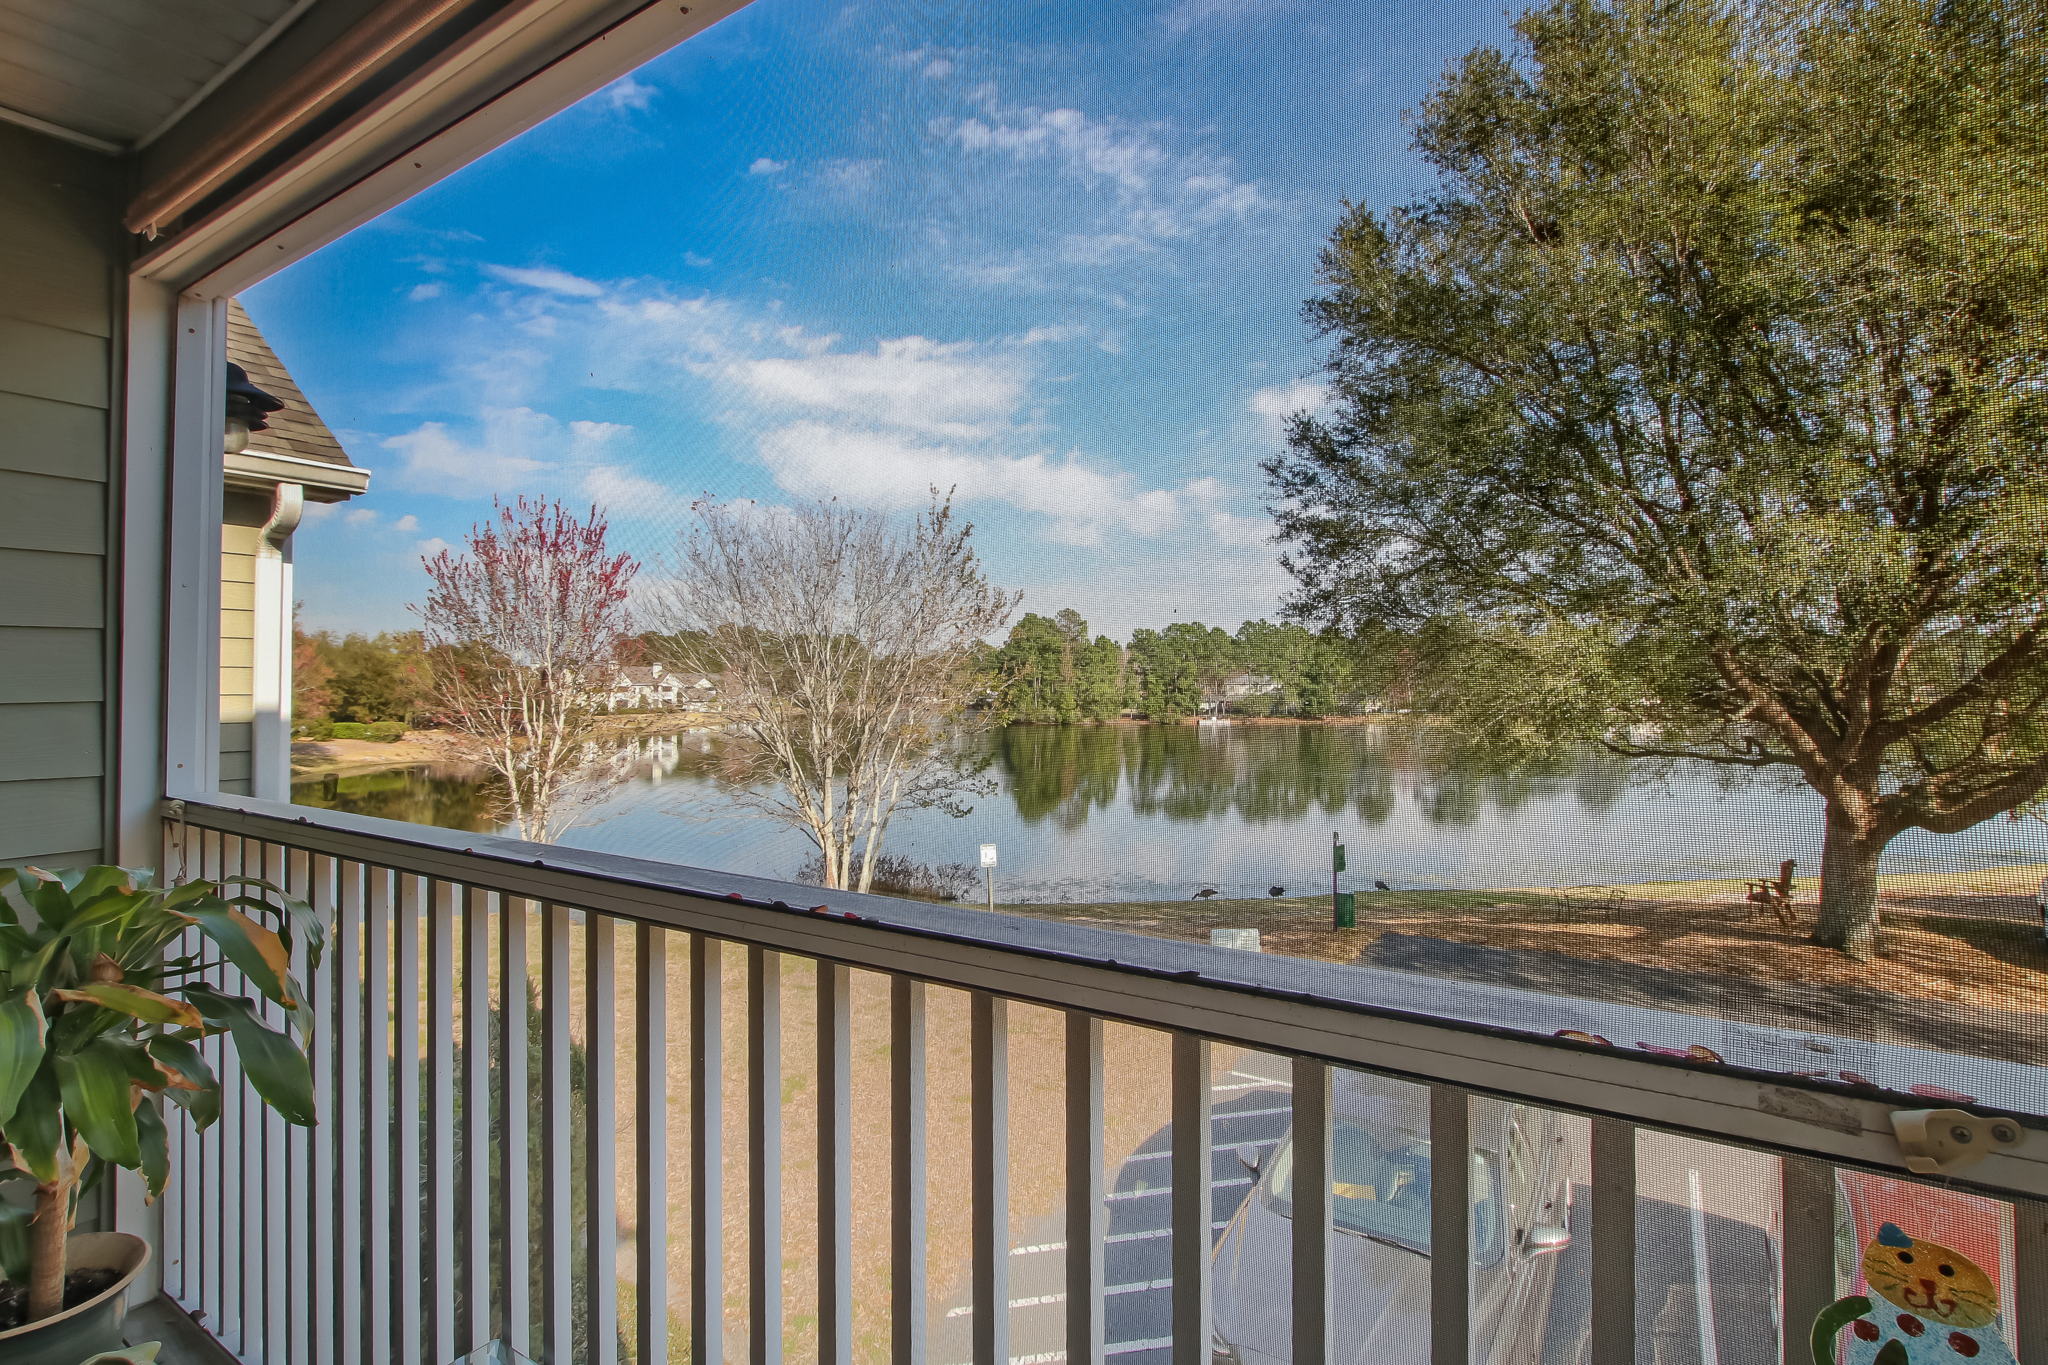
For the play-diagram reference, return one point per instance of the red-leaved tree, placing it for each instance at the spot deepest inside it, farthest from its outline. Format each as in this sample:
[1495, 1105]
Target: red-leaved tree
[523, 629]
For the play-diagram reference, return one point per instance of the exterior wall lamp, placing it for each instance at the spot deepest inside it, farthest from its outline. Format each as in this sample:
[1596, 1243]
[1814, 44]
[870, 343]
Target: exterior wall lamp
[247, 407]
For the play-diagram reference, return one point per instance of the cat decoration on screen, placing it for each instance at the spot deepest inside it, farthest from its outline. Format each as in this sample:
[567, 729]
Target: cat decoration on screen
[1927, 1305]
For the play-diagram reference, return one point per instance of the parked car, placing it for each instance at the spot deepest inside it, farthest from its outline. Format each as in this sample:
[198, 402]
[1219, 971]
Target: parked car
[1380, 1161]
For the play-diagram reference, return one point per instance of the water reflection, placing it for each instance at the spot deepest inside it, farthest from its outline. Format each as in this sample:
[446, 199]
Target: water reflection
[1279, 774]
[1134, 812]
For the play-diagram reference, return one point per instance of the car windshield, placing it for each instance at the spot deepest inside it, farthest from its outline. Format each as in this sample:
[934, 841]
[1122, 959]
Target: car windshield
[1380, 1188]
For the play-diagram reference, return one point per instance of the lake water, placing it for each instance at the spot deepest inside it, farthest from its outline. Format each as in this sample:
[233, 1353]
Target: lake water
[1132, 812]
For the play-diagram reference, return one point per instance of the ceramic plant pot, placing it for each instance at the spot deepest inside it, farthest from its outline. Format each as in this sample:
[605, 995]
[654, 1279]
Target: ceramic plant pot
[89, 1328]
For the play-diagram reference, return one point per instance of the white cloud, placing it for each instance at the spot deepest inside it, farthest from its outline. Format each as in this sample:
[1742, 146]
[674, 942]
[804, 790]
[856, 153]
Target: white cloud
[849, 175]
[623, 493]
[420, 293]
[767, 166]
[1183, 16]
[507, 459]
[910, 382]
[548, 280]
[629, 94]
[360, 516]
[1276, 403]
[406, 524]
[938, 68]
[431, 546]
[691, 258]
[1140, 191]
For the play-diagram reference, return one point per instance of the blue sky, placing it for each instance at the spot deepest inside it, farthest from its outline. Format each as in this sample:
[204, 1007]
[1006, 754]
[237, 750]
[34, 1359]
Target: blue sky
[1052, 255]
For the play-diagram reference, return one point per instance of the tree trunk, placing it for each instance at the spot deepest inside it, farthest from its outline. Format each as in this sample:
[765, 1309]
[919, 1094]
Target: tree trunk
[1848, 887]
[46, 1237]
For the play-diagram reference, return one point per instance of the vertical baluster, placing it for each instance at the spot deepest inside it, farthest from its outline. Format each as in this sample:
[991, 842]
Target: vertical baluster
[475, 1326]
[441, 1064]
[1311, 1222]
[348, 1127]
[906, 1172]
[1087, 1213]
[405, 1118]
[558, 1220]
[1806, 1260]
[320, 1141]
[1450, 1225]
[233, 1127]
[174, 1114]
[601, 1194]
[650, 1139]
[299, 1259]
[835, 1166]
[764, 1155]
[2030, 1267]
[989, 1094]
[707, 1141]
[276, 1220]
[1614, 1242]
[376, 1051]
[1193, 1161]
[256, 1123]
[515, 1256]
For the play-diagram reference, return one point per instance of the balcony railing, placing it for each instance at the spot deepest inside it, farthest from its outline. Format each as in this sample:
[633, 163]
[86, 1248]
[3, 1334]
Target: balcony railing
[500, 1097]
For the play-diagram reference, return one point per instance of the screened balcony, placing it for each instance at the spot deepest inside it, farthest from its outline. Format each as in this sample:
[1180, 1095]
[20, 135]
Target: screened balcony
[585, 1107]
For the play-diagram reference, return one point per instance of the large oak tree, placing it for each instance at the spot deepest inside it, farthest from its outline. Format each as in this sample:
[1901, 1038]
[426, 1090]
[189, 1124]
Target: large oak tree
[1704, 402]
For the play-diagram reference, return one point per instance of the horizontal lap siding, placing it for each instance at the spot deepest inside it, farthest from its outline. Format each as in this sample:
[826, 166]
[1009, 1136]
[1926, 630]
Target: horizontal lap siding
[240, 538]
[61, 254]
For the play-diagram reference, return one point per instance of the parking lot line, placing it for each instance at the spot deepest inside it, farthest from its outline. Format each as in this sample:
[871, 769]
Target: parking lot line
[1168, 1189]
[1251, 1113]
[1161, 1156]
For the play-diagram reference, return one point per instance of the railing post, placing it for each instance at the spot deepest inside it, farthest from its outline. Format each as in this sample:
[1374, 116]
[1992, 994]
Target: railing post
[441, 1065]
[650, 1140]
[989, 1098]
[1614, 1242]
[1193, 1169]
[835, 1165]
[600, 1129]
[1087, 1214]
[707, 1144]
[906, 1171]
[1806, 1259]
[476, 1118]
[1311, 1209]
[764, 1155]
[558, 1341]
[515, 1256]
[1450, 1225]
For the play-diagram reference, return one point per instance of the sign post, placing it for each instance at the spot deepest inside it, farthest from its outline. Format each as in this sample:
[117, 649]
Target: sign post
[1343, 904]
[988, 867]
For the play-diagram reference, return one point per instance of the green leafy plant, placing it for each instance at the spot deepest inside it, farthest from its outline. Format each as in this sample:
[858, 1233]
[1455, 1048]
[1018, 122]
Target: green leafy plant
[103, 1005]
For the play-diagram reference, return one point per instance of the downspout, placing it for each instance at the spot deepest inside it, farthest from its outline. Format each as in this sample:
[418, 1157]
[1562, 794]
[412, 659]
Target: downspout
[270, 774]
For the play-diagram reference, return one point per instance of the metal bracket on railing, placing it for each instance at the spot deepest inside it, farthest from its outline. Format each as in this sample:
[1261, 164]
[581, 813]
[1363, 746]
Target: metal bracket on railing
[175, 810]
[1943, 1141]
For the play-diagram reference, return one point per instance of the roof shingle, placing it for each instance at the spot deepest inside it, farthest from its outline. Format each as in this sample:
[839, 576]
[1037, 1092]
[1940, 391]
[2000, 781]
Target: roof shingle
[297, 430]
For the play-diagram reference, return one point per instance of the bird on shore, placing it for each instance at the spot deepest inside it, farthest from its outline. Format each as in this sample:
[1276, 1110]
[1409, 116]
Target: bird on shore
[1204, 894]
[1276, 890]
[1381, 886]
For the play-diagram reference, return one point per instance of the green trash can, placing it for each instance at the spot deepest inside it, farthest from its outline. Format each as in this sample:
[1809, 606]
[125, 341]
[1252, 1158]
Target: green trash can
[1346, 912]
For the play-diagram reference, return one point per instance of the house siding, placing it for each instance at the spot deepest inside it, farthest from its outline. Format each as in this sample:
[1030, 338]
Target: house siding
[241, 531]
[61, 255]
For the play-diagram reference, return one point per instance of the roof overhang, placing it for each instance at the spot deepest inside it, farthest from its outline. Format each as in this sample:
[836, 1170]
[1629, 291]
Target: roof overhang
[323, 482]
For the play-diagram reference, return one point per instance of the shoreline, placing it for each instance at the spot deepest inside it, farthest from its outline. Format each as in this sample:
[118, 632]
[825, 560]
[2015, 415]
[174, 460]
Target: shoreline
[313, 758]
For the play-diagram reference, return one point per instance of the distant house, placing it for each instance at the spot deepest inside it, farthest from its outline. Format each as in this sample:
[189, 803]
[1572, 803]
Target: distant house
[1226, 694]
[652, 687]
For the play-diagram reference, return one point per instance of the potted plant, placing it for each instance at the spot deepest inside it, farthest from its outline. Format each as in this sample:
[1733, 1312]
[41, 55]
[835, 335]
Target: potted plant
[103, 1003]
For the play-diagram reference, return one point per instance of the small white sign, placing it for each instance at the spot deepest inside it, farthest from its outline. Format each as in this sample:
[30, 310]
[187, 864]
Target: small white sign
[988, 855]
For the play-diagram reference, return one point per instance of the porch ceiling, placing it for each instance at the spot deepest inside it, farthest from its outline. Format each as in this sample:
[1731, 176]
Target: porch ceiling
[121, 71]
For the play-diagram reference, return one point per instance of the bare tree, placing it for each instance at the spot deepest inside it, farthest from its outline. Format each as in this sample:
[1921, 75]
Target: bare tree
[846, 642]
[523, 629]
